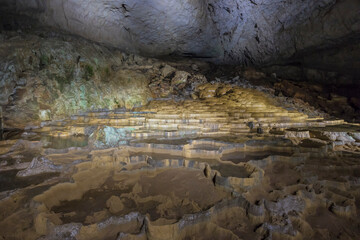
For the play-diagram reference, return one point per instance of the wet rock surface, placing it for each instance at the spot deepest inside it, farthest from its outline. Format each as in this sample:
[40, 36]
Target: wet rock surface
[195, 168]
[136, 148]
[46, 75]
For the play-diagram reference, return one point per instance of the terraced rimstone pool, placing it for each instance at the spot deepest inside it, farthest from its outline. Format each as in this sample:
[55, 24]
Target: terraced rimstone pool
[192, 169]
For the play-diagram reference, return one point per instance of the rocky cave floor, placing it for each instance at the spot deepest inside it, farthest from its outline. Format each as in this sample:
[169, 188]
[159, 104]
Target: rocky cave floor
[104, 145]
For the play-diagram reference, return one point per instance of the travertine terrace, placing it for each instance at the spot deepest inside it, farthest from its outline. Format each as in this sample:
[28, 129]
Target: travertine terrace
[231, 164]
[179, 119]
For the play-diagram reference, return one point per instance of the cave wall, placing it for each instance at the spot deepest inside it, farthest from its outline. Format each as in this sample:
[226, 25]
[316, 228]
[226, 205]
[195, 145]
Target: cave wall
[243, 32]
[152, 28]
[265, 31]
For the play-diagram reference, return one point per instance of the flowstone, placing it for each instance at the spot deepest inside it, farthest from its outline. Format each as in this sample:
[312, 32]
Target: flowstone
[196, 168]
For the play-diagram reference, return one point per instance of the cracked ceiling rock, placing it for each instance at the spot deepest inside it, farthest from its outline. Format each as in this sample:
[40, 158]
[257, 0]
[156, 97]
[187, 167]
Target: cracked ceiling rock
[232, 31]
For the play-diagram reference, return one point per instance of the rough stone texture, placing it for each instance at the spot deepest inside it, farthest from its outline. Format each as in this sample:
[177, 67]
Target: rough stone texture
[45, 75]
[171, 182]
[148, 27]
[234, 31]
[42, 78]
[39, 165]
[336, 100]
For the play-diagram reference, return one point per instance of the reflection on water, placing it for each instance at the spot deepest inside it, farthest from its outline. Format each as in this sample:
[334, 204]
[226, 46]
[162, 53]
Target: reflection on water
[239, 157]
[142, 165]
[93, 201]
[64, 142]
[9, 180]
[10, 134]
[232, 171]
[180, 141]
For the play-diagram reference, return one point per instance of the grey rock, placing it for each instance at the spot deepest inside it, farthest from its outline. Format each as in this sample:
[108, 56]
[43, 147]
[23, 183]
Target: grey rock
[238, 31]
[39, 165]
[7, 81]
[339, 136]
[67, 231]
[355, 135]
[286, 205]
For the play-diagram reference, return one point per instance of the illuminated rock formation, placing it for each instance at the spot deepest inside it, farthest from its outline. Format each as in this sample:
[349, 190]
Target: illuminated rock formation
[101, 144]
[171, 170]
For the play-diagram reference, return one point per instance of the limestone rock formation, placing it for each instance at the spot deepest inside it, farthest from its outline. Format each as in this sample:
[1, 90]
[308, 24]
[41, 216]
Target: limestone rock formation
[321, 33]
[102, 144]
[179, 169]
[39, 165]
[44, 77]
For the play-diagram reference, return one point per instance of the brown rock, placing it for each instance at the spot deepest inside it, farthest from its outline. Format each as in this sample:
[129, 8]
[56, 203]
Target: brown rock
[207, 90]
[180, 79]
[252, 74]
[338, 99]
[222, 90]
[355, 102]
[114, 204]
[167, 70]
